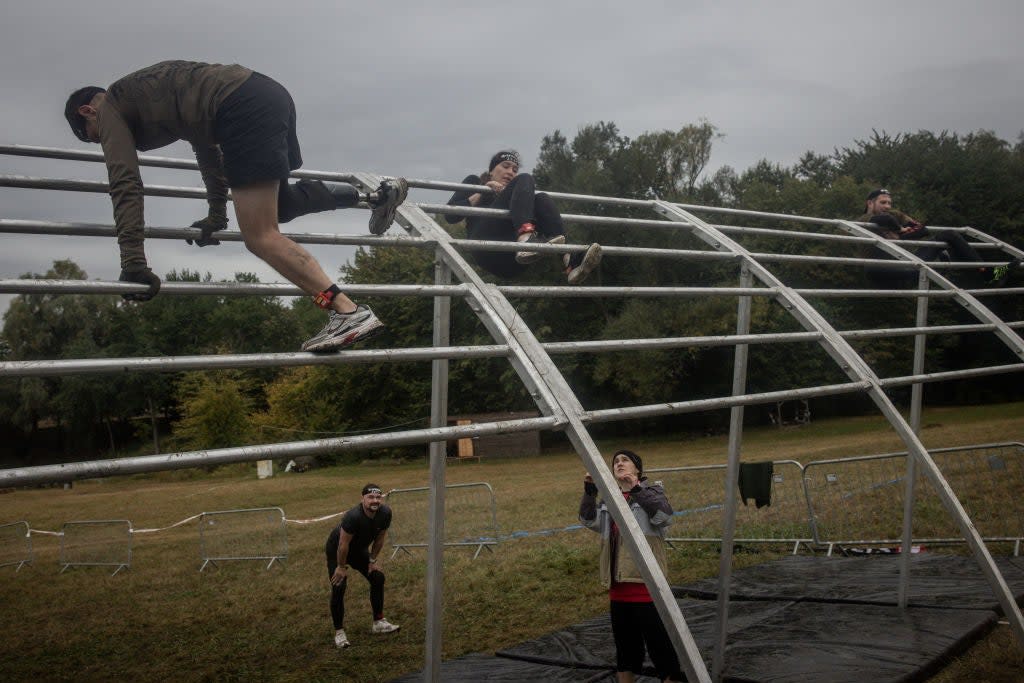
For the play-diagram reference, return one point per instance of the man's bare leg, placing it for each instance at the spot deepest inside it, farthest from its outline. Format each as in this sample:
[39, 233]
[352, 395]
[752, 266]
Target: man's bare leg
[256, 212]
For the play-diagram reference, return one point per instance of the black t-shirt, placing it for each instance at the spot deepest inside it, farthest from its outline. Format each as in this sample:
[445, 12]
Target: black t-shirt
[364, 530]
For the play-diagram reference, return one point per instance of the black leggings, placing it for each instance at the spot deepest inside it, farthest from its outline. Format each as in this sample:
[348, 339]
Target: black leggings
[960, 251]
[361, 564]
[636, 625]
[525, 205]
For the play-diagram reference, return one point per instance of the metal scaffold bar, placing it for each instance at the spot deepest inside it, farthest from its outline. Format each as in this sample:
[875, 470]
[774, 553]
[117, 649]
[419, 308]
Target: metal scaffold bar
[29, 476]
[534, 361]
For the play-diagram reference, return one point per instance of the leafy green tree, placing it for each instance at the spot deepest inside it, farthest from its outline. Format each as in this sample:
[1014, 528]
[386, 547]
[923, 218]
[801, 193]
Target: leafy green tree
[216, 410]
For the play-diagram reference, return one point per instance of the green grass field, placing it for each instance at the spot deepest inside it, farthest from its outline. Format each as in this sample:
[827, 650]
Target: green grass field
[164, 620]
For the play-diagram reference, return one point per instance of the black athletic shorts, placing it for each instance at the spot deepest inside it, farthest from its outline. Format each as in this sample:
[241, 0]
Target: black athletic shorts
[255, 129]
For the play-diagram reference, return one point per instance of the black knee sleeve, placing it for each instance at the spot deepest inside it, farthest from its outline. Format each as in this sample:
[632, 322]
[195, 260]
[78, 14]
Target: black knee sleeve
[305, 196]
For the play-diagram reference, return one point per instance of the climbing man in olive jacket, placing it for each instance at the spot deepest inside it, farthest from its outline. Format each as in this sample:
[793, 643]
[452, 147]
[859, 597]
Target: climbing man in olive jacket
[241, 125]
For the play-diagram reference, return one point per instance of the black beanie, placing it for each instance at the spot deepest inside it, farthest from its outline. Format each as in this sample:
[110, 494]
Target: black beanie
[504, 155]
[76, 100]
[634, 457]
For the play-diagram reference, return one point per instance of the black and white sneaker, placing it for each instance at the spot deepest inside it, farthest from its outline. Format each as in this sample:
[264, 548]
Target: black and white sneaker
[525, 257]
[344, 330]
[390, 195]
[591, 259]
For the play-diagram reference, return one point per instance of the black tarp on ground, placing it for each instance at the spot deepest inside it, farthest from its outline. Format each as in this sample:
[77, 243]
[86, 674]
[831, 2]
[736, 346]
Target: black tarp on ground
[828, 630]
[476, 668]
[790, 642]
[935, 581]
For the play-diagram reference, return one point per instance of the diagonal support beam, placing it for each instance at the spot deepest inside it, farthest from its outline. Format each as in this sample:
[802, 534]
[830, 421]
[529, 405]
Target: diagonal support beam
[554, 398]
[857, 369]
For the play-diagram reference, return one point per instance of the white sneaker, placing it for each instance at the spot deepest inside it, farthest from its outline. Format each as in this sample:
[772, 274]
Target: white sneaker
[344, 330]
[340, 639]
[590, 260]
[384, 626]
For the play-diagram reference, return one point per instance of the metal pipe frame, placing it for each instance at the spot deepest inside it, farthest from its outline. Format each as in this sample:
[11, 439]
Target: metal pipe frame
[555, 398]
[855, 367]
[559, 407]
[739, 388]
[190, 164]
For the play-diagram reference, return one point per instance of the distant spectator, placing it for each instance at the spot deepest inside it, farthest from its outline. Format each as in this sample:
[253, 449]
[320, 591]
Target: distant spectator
[357, 542]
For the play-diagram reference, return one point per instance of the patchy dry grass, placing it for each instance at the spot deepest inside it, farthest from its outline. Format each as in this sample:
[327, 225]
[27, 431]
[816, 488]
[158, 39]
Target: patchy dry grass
[165, 620]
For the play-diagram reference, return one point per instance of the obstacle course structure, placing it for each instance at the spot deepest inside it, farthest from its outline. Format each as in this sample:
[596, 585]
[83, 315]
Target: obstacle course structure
[559, 407]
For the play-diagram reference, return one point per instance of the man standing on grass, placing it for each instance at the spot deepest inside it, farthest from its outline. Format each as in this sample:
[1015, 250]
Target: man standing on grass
[357, 543]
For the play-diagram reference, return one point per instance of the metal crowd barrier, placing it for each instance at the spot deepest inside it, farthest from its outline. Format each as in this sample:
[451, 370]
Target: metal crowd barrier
[96, 543]
[244, 534]
[855, 501]
[470, 517]
[15, 545]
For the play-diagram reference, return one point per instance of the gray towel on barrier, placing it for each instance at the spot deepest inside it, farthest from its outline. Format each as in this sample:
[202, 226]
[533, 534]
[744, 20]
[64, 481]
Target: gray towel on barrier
[755, 482]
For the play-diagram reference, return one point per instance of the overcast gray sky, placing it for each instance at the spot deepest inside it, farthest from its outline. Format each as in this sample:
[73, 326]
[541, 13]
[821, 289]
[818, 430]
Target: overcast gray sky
[432, 89]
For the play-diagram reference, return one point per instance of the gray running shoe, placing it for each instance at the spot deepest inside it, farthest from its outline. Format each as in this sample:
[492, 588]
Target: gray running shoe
[390, 195]
[525, 257]
[344, 330]
[591, 259]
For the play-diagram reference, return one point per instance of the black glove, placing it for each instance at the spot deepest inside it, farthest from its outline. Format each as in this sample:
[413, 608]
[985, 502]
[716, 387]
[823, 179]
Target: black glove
[589, 488]
[915, 231]
[143, 276]
[209, 225]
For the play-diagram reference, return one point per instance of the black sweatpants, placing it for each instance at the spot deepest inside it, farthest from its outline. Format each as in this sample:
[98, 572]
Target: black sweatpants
[361, 563]
[636, 626]
[525, 205]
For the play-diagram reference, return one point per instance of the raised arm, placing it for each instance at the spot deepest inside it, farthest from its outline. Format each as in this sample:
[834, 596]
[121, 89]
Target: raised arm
[463, 198]
[652, 499]
[126, 195]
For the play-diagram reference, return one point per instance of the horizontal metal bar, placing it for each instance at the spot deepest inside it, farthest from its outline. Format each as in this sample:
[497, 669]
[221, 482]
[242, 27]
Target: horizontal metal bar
[952, 374]
[637, 292]
[653, 344]
[911, 331]
[28, 227]
[17, 226]
[32, 183]
[87, 366]
[606, 250]
[658, 409]
[903, 454]
[595, 199]
[96, 366]
[31, 286]
[147, 160]
[441, 209]
[27, 476]
[758, 214]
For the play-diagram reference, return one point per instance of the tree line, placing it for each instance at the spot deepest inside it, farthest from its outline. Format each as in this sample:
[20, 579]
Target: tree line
[942, 179]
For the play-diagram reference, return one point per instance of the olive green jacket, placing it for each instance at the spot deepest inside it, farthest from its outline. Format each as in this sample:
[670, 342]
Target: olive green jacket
[153, 107]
